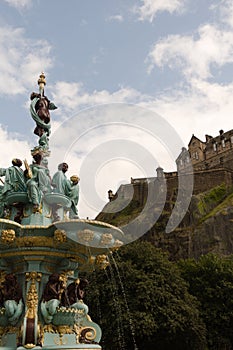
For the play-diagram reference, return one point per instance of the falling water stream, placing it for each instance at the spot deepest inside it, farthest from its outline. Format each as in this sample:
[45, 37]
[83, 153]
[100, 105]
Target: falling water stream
[120, 330]
[125, 301]
[115, 295]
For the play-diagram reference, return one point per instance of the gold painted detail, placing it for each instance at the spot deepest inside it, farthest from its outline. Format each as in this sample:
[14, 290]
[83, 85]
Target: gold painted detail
[8, 236]
[85, 235]
[63, 277]
[27, 167]
[29, 346]
[83, 334]
[61, 340]
[80, 312]
[49, 328]
[41, 80]
[38, 210]
[102, 261]
[106, 239]
[63, 329]
[32, 295]
[60, 236]
[37, 241]
[117, 245]
[42, 253]
[91, 260]
[90, 333]
[2, 277]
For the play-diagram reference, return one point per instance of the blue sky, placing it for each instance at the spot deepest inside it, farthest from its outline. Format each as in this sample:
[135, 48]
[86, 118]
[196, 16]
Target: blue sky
[171, 57]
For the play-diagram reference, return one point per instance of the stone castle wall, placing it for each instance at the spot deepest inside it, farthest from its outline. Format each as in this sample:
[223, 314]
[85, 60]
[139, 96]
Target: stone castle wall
[211, 162]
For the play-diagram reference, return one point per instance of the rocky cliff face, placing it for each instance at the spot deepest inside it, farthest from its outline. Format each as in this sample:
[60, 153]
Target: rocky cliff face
[206, 227]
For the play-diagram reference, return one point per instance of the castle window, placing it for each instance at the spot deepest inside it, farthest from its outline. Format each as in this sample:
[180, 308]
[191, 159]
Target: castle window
[215, 147]
[231, 139]
[223, 143]
[195, 155]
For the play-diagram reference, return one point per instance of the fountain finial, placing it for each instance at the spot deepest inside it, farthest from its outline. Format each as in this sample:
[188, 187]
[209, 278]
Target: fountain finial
[41, 83]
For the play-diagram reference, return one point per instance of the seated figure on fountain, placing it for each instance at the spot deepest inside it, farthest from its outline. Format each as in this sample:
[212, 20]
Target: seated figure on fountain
[15, 181]
[74, 295]
[52, 296]
[11, 298]
[72, 191]
[69, 188]
[14, 178]
[59, 180]
[39, 182]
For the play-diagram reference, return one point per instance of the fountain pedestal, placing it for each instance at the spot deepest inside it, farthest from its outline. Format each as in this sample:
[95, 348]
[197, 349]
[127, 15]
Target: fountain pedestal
[30, 255]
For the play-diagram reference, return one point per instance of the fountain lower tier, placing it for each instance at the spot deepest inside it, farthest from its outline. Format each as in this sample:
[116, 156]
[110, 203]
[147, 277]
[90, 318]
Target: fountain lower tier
[39, 271]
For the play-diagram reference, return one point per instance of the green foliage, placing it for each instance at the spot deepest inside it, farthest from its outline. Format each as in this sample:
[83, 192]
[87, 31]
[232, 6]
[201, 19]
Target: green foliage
[142, 296]
[126, 214]
[211, 198]
[211, 282]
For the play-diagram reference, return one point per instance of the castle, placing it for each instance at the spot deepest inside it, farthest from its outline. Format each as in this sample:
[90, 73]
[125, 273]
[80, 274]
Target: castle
[210, 162]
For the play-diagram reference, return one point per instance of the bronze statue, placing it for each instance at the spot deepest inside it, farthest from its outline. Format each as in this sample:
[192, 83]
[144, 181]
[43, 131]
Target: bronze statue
[40, 106]
[52, 296]
[76, 290]
[54, 288]
[11, 298]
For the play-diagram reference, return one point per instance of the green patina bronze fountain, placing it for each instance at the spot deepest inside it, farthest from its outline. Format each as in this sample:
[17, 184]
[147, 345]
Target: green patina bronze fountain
[44, 246]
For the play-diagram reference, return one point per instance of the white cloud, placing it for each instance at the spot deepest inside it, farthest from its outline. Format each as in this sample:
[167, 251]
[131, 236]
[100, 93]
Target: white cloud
[225, 10]
[194, 54]
[204, 108]
[117, 18]
[70, 97]
[19, 4]
[21, 60]
[111, 137]
[16, 148]
[149, 9]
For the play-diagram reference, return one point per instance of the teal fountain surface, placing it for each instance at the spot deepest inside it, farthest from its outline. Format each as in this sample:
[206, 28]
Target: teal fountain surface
[44, 246]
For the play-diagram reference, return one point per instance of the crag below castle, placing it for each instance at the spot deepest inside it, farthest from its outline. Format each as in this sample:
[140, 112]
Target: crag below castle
[207, 224]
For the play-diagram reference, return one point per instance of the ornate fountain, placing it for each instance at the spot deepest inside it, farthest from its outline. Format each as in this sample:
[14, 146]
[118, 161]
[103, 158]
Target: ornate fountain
[44, 246]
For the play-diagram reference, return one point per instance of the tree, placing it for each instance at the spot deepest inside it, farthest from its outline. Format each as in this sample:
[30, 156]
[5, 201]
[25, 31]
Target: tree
[142, 299]
[211, 282]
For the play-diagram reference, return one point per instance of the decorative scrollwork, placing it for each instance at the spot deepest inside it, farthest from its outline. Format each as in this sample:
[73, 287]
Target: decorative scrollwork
[87, 335]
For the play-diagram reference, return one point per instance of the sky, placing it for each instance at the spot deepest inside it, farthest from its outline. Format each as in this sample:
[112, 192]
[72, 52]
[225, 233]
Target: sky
[132, 80]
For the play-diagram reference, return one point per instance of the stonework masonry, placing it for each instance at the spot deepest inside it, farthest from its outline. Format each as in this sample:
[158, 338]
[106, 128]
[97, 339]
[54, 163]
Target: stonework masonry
[210, 162]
